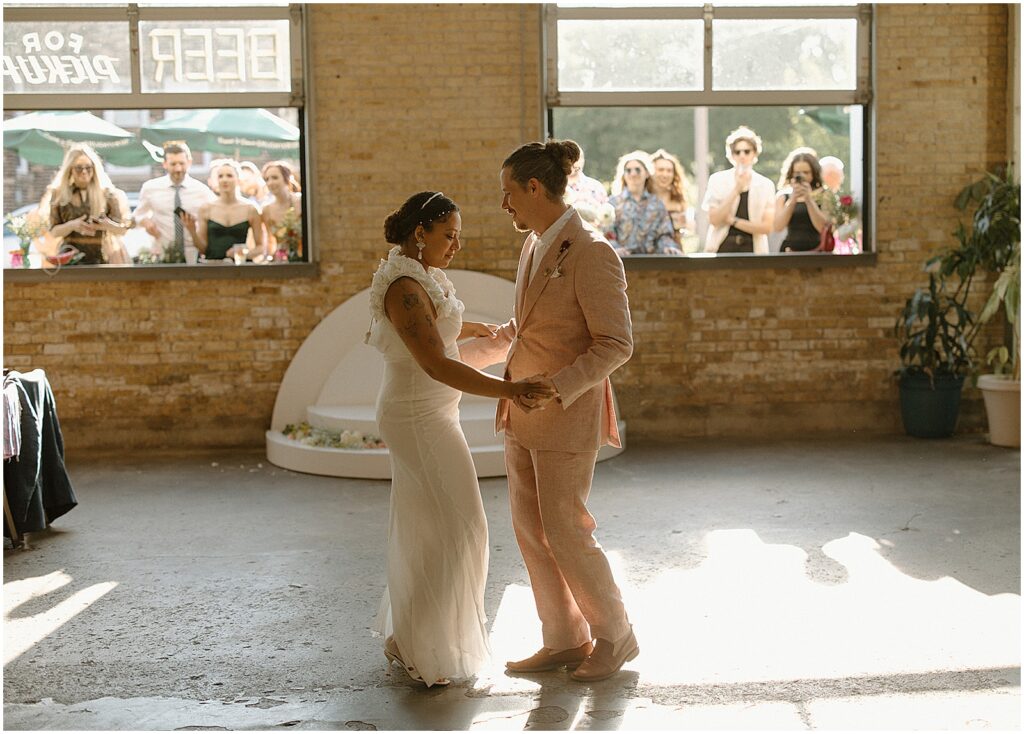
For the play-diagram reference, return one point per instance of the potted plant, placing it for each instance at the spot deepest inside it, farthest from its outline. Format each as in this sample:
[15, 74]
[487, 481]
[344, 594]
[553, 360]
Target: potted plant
[935, 357]
[992, 244]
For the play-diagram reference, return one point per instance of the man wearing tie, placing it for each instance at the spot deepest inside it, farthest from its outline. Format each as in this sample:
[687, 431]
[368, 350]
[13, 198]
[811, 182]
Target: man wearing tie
[164, 201]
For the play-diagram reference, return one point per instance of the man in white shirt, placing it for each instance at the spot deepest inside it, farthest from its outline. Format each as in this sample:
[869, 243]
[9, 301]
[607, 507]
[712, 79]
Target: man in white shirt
[163, 200]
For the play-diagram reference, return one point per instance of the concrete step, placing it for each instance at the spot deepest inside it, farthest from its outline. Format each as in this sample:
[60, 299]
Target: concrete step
[476, 416]
[362, 463]
[282, 451]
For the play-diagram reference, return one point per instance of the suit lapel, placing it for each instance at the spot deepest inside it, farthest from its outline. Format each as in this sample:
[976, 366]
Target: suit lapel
[547, 265]
[525, 258]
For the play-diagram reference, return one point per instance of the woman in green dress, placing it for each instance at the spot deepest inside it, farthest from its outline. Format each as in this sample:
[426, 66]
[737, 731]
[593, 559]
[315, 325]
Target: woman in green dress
[222, 226]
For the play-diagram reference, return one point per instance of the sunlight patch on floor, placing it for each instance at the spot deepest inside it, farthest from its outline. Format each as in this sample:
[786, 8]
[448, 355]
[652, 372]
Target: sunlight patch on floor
[750, 613]
[22, 632]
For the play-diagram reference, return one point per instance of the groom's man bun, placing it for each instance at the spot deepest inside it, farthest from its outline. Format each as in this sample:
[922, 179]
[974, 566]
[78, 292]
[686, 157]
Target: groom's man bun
[550, 163]
[424, 208]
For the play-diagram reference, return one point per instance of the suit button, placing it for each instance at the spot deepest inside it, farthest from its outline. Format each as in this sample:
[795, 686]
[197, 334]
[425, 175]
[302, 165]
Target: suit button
[519, 337]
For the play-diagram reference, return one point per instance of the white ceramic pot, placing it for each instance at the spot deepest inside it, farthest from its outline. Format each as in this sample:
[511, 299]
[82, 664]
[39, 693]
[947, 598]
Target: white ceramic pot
[1002, 403]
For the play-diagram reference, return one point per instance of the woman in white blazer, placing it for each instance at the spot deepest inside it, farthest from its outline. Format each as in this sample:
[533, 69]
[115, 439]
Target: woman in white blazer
[740, 202]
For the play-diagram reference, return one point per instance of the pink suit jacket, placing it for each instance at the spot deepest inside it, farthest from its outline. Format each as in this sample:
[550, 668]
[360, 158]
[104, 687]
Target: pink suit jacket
[572, 324]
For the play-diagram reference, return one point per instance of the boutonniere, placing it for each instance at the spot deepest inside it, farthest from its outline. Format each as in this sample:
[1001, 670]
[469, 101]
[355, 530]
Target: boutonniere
[557, 271]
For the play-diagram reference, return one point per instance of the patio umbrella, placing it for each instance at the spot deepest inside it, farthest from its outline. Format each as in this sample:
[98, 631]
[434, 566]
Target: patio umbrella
[239, 132]
[43, 137]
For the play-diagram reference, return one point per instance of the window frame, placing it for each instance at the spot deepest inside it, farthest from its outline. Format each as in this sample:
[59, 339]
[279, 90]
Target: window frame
[862, 95]
[299, 97]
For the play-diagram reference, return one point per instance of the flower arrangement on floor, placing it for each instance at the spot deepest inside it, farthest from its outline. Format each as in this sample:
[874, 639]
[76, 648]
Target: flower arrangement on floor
[347, 439]
[26, 228]
[289, 238]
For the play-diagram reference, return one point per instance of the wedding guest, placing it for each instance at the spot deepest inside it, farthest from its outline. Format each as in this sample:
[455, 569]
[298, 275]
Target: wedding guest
[642, 224]
[796, 207]
[252, 185]
[588, 196]
[222, 225]
[284, 195]
[669, 184]
[582, 186]
[85, 209]
[740, 201]
[163, 200]
[832, 172]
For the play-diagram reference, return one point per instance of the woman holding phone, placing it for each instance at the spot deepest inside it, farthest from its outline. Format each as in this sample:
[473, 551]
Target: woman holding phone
[85, 208]
[740, 202]
[796, 208]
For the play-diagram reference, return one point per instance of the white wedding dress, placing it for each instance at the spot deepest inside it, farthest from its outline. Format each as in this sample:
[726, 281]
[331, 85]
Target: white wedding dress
[437, 538]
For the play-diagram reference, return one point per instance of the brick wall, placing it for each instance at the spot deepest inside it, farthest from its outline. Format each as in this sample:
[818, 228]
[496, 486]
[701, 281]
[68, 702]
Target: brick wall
[411, 97]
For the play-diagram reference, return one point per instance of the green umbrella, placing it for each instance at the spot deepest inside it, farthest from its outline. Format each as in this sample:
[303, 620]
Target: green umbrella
[44, 137]
[239, 132]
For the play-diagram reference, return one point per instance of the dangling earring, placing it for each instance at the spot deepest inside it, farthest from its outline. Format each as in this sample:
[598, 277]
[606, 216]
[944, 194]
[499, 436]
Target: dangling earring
[420, 244]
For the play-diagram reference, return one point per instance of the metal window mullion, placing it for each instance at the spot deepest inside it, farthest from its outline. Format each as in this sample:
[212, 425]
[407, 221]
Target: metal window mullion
[550, 30]
[228, 12]
[651, 13]
[798, 12]
[128, 101]
[772, 98]
[134, 52]
[709, 41]
[14, 14]
[864, 27]
[296, 46]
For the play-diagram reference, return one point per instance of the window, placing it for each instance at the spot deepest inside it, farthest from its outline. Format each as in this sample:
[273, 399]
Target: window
[625, 81]
[134, 84]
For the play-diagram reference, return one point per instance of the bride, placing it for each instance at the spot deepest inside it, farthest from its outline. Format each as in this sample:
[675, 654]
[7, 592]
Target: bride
[433, 608]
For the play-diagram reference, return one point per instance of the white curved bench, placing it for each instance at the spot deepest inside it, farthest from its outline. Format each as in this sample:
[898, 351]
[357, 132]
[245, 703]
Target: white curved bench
[333, 381]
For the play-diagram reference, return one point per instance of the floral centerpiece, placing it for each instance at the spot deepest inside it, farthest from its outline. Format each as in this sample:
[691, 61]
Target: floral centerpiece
[26, 228]
[346, 439]
[289, 238]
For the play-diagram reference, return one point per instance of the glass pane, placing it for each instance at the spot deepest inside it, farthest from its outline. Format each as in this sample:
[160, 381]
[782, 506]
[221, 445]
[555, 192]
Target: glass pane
[784, 54]
[66, 58]
[697, 136]
[215, 56]
[630, 55]
[137, 180]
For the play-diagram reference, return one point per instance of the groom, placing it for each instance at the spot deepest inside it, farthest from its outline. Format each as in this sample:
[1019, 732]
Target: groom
[572, 327]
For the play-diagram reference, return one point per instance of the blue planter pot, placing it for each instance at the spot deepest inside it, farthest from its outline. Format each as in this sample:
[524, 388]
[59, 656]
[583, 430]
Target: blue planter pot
[930, 410]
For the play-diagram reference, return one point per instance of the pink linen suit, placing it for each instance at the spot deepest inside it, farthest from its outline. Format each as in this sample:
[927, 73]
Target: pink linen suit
[572, 324]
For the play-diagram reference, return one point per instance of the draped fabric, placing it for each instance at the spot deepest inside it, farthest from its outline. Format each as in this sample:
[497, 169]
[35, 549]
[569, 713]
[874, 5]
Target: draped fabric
[36, 482]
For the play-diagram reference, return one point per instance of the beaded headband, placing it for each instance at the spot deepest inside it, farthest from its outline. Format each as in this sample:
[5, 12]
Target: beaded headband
[430, 199]
[437, 215]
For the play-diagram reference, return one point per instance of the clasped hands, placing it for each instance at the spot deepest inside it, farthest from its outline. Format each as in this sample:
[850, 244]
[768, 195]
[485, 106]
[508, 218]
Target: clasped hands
[536, 392]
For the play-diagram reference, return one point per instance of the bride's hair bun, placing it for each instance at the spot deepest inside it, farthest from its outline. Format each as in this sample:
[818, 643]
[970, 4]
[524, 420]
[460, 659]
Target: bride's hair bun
[424, 208]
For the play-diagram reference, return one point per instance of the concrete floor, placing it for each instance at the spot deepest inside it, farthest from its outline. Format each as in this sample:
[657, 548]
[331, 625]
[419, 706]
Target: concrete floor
[842, 584]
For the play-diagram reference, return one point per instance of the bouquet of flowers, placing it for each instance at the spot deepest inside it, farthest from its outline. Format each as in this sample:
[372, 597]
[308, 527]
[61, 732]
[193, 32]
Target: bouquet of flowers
[289, 237]
[26, 228]
[846, 222]
[346, 439]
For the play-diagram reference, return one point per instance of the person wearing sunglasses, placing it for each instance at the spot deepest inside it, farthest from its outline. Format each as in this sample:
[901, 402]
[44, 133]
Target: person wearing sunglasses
[740, 202]
[86, 211]
[642, 223]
